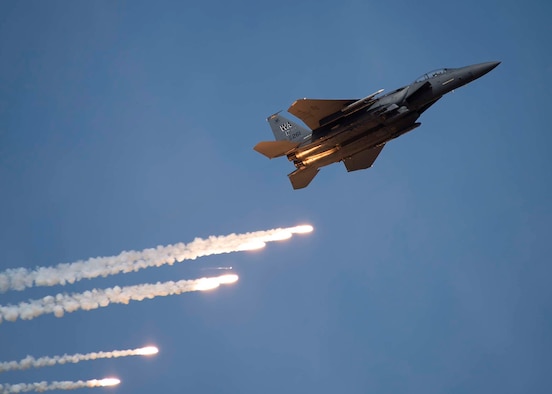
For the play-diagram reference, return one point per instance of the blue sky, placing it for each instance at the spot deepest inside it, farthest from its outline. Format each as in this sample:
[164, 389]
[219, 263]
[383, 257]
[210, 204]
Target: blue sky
[126, 125]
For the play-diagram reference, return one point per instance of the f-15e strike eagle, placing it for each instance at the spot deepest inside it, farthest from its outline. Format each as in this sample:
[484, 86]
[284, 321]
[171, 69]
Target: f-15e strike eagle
[355, 131]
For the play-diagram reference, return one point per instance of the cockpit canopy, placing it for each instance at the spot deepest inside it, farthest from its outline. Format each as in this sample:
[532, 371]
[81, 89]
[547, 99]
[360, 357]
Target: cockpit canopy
[431, 74]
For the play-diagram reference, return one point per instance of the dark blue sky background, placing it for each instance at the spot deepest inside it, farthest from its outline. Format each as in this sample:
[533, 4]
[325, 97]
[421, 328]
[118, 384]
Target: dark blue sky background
[126, 125]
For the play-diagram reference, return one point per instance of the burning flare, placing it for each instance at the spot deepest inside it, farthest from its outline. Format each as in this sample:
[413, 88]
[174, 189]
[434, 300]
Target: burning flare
[147, 351]
[104, 382]
[131, 261]
[31, 362]
[229, 278]
[97, 298]
[303, 229]
[64, 385]
[207, 284]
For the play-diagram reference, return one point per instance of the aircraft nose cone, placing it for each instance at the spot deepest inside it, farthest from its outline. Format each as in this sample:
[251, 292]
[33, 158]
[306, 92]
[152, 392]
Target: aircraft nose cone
[478, 70]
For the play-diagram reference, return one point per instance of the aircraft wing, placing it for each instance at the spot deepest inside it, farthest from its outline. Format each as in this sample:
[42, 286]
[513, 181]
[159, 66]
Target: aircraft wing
[362, 160]
[311, 111]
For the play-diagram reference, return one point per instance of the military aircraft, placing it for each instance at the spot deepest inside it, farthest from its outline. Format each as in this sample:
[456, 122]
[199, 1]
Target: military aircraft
[355, 131]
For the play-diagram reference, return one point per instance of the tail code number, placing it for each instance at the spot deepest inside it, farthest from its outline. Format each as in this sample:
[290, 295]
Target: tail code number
[285, 127]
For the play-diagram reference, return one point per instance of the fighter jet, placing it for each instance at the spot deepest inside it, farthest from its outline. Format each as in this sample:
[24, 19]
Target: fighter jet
[355, 131]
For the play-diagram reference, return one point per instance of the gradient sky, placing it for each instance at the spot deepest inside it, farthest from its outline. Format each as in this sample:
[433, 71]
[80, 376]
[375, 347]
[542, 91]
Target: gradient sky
[126, 125]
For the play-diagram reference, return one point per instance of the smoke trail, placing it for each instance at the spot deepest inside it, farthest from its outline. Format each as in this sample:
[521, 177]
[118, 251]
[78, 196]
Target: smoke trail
[64, 385]
[99, 298]
[129, 261]
[31, 362]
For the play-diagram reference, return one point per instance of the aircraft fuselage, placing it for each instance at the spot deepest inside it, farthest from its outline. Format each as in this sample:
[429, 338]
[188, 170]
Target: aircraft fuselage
[355, 131]
[387, 118]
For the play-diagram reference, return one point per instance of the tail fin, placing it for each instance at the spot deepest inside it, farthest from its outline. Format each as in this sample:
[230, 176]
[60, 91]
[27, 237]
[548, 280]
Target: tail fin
[285, 129]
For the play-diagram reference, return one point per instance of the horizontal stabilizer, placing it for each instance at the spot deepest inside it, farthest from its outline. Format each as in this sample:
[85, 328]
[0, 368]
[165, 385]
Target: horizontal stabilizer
[362, 160]
[311, 111]
[302, 177]
[272, 149]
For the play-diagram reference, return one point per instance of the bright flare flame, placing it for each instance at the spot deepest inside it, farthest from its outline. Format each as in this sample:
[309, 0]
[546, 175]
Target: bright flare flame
[213, 283]
[252, 245]
[147, 351]
[280, 236]
[109, 382]
[303, 229]
[230, 278]
[207, 284]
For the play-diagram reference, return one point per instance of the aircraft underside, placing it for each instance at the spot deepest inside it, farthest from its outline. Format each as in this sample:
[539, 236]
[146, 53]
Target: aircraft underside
[350, 142]
[355, 131]
[356, 149]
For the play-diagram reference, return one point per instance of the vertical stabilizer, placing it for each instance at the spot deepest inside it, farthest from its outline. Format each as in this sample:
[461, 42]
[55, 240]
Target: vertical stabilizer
[287, 130]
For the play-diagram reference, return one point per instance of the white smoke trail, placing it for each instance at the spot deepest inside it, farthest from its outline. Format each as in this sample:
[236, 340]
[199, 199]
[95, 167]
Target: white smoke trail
[31, 362]
[129, 261]
[64, 385]
[99, 298]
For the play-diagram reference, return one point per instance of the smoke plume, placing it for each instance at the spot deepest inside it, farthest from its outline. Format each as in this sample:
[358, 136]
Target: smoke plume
[63, 385]
[98, 298]
[32, 362]
[130, 261]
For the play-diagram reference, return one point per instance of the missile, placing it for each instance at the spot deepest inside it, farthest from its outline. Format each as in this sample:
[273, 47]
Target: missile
[353, 107]
[360, 103]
